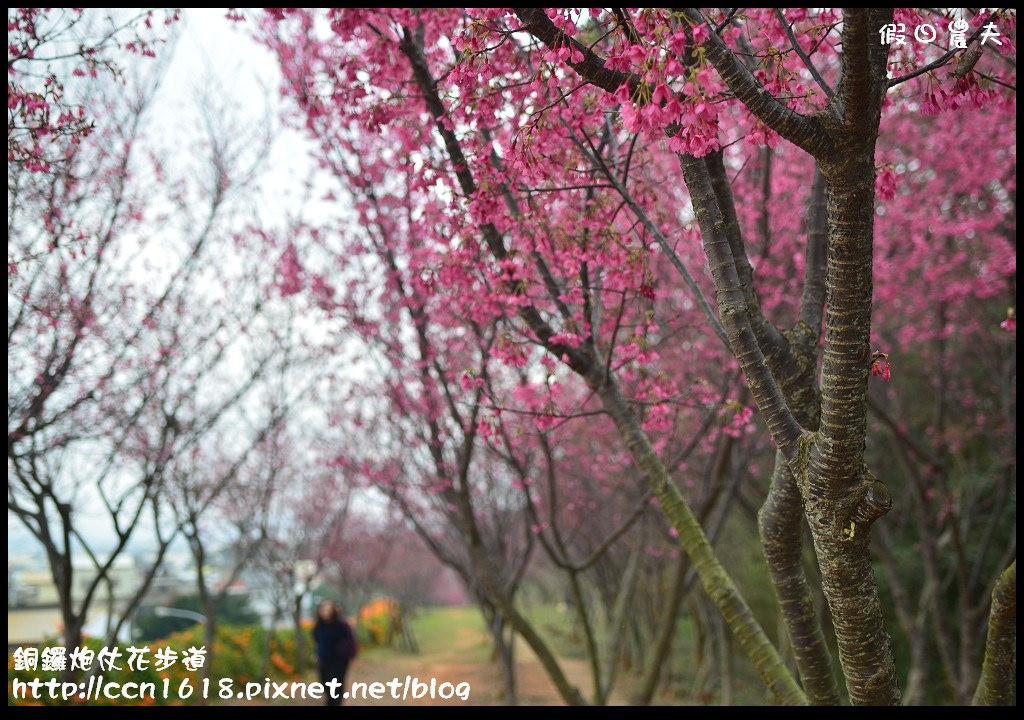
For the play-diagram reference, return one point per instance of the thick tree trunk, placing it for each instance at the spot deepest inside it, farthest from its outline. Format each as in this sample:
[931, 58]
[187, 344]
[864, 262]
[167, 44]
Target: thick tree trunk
[841, 496]
[781, 527]
[998, 683]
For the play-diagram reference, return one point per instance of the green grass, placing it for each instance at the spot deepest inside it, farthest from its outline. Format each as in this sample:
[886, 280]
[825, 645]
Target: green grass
[459, 635]
[455, 632]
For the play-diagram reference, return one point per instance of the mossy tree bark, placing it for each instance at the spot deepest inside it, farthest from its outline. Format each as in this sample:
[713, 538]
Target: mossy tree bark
[781, 519]
[841, 498]
[998, 683]
[781, 527]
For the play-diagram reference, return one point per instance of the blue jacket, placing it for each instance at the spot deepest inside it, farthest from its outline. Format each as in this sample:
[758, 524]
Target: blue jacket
[334, 641]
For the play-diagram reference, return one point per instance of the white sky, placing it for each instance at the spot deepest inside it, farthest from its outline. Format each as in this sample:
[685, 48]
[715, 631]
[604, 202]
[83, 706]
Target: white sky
[244, 73]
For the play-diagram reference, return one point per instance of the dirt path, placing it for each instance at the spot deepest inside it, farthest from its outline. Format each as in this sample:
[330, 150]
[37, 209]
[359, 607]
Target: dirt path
[450, 665]
[459, 655]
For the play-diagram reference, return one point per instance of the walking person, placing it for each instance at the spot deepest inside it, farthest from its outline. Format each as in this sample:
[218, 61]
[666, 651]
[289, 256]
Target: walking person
[335, 646]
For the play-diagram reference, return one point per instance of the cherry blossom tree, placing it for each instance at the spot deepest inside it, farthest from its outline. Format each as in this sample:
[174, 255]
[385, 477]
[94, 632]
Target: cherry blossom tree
[587, 279]
[545, 146]
[128, 341]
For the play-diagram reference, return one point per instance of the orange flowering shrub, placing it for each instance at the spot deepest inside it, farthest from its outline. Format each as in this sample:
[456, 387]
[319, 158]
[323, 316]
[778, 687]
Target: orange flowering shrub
[379, 621]
[238, 655]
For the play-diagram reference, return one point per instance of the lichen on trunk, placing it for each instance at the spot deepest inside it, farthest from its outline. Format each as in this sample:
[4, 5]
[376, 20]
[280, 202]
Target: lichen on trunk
[998, 683]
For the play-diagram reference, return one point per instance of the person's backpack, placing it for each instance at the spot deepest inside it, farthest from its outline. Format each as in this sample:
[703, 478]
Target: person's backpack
[348, 648]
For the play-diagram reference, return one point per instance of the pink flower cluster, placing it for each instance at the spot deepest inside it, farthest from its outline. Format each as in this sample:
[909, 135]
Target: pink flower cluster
[885, 184]
[880, 365]
[289, 272]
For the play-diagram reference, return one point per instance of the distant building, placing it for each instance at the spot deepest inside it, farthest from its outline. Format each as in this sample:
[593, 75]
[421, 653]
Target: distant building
[33, 605]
